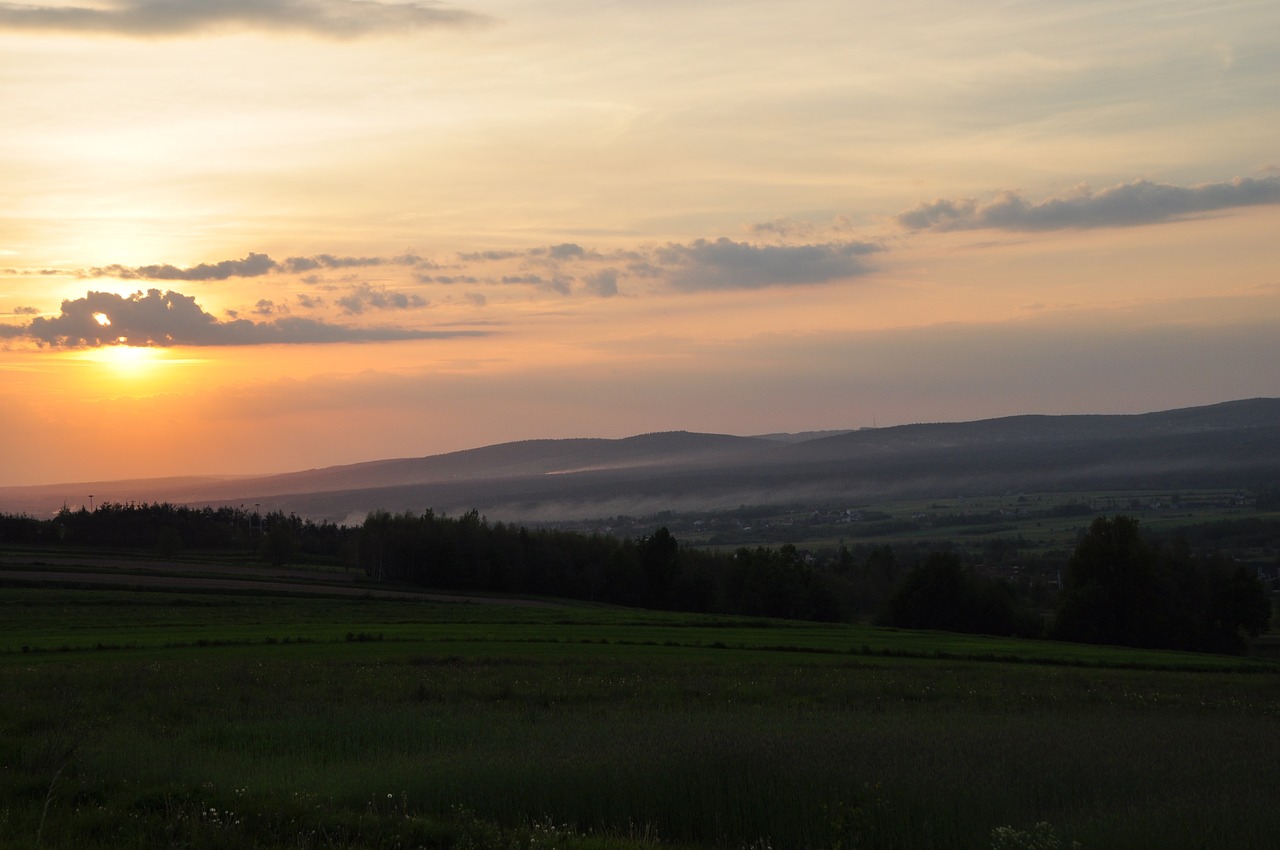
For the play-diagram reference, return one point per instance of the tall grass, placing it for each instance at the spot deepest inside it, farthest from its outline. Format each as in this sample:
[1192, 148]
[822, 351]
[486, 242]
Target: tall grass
[370, 748]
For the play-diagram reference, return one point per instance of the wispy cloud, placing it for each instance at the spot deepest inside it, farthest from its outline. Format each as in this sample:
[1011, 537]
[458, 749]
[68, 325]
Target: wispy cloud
[171, 318]
[703, 264]
[253, 265]
[725, 264]
[366, 297]
[603, 283]
[1140, 202]
[342, 19]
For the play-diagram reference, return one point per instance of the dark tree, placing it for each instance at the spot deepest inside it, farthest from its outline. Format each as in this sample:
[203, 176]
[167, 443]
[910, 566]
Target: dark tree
[933, 595]
[280, 544]
[1122, 589]
[941, 593]
[660, 560]
[1109, 586]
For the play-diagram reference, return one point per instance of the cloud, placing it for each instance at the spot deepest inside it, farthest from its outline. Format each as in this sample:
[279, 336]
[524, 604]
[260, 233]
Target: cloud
[720, 264]
[26, 311]
[254, 265]
[366, 297]
[784, 228]
[1128, 204]
[448, 279]
[266, 307]
[725, 264]
[603, 283]
[171, 318]
[548, 254]
[328, 261]
[488, 256]
[342, 19]
[566, 251]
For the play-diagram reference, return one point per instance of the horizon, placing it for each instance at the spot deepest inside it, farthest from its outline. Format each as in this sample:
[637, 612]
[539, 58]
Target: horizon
[248, 476]
[326, 233]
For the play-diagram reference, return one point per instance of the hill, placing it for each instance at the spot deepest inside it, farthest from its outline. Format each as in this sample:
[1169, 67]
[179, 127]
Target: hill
[1233, 444]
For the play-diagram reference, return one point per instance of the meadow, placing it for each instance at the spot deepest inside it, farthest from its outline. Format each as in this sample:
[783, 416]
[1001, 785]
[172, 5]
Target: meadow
[155, 719]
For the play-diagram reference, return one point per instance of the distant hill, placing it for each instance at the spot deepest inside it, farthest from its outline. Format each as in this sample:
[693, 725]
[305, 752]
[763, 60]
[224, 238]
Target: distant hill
[1234, 444]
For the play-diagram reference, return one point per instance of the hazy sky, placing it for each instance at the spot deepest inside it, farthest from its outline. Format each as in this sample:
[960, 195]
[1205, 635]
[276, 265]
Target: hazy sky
[266, 235]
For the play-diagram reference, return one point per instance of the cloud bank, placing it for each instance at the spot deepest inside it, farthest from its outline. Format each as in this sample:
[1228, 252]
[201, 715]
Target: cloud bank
[343, 19]
[171, 318]
[1140, 202]
[723, 264]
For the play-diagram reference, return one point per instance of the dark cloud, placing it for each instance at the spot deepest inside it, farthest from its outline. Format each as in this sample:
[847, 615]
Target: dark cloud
[644, 268]
[308, 302]
[549, 254]
[11, 331]
[254, 265]
[328, 261]
[566, 251]
[1141, 202]
[166, 18]
[171, 318]
[489, 256]
[447, 278]
[266, 307]
[26, 311]
[366, 297]
[725, 264]
[603, 283]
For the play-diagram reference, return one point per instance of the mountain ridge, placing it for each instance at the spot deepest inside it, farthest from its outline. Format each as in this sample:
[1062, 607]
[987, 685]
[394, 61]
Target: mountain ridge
[1208, 445]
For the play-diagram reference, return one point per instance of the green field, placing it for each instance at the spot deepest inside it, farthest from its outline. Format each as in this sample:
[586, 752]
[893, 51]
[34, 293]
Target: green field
[1044, 524]
[158, 719]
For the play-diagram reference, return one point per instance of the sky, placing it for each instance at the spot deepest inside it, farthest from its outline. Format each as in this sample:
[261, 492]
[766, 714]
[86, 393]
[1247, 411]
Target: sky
[256, 236]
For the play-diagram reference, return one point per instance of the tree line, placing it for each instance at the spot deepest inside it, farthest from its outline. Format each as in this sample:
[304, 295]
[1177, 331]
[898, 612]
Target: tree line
[653, 571]
[1119, 586]
[169, 530]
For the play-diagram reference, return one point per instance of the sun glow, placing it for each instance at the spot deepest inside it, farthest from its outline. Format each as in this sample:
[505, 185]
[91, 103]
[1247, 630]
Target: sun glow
[133, 362]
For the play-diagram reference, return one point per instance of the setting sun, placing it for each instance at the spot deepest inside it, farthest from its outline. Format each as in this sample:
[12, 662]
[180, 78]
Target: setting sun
[131, 362]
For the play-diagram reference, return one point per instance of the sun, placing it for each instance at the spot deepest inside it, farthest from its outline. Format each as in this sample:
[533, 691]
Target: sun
[131, 362]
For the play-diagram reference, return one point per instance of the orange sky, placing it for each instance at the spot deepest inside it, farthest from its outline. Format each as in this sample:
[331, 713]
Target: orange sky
[336, 232]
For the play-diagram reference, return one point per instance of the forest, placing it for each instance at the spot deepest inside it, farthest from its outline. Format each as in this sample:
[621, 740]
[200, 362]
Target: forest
[1120, 586]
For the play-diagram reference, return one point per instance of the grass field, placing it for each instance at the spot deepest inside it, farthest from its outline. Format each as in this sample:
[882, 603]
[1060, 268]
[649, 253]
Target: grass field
[1041, 522]
[148, 719]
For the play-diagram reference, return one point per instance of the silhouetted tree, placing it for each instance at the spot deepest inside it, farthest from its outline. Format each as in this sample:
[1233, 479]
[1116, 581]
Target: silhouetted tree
[1120, 588]
[1109, 587]
[941, 593]
[660, 561]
